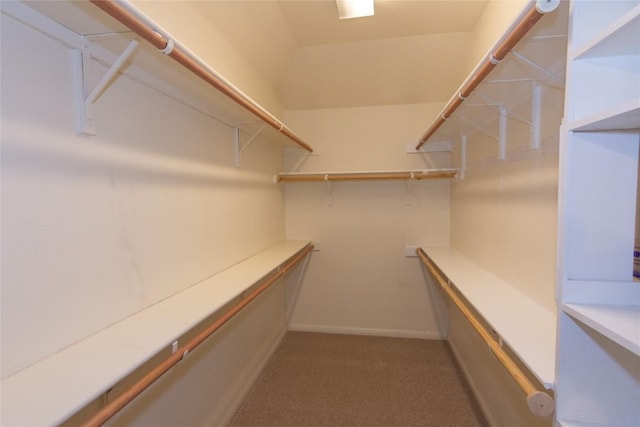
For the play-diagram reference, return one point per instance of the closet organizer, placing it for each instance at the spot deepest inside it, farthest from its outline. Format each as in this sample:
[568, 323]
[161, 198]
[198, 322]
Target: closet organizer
[598, 292]
[41, 394]
[505, 86]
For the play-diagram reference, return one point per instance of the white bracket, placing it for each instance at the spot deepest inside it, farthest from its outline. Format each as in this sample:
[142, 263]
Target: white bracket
[409, 183]
[329, 192]
[536, 105]
[431, 147]
[477, 126]
[238, 144]
[502, 142]
[463, 156]
[543, 70]
[84, 109]
[500, 106]
[410, 250]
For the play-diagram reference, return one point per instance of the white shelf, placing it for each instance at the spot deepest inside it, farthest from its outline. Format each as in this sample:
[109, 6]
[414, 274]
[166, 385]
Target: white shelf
[599, 323]
[623, 117]
[620, 38]
[52, 390]
[71, 21]
[527, 327]
[620, 324]
[540, 57]
[572, 423]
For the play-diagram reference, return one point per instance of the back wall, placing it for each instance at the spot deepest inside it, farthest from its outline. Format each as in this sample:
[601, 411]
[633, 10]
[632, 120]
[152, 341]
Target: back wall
[360, 280]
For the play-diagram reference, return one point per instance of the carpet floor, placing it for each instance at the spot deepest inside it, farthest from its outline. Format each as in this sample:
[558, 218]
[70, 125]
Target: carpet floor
[316, 379]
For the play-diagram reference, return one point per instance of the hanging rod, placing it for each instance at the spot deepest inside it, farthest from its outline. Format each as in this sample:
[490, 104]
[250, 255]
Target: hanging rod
[529, 18]
[539, 402]
[124, 12]
[113, 407]
[364, 176]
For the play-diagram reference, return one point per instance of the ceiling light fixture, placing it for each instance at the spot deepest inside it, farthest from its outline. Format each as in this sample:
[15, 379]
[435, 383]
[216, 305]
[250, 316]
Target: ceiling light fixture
[354, 8]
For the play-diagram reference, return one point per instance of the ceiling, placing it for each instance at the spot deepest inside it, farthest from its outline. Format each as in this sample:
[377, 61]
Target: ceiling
[408, 52]
[316, 22]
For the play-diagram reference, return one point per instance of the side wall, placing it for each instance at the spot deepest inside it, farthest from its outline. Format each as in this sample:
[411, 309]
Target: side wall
[95, 229]
[360, 280]
[261, 24]
[496, 18]
[503, 217]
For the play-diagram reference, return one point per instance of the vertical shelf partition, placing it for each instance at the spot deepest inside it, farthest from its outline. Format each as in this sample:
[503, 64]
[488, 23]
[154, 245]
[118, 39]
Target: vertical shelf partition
[598, 363]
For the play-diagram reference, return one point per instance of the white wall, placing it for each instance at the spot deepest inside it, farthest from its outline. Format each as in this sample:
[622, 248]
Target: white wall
[260, 28]
[208, 387]
[375, 72]
[496, 18]
[501, 399]
[503, 217]
[360, 281]
[95, 229]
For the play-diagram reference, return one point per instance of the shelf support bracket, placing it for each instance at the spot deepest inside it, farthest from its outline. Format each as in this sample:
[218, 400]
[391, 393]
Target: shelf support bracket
[463, 155]
[499, 106]
[84, 109]
[538, 67]
[536, 105]
[329, 192]
[502, 141]
[409, 183]
[477, 126]
[238, 144]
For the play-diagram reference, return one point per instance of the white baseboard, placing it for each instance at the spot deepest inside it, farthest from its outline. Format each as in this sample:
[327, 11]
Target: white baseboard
[345, 330]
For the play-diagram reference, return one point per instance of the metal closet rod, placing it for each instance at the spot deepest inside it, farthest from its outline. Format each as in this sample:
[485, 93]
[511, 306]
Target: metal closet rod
[129, 16]
[530, 17]
[364, 176]
[113, 407]
[539, 402]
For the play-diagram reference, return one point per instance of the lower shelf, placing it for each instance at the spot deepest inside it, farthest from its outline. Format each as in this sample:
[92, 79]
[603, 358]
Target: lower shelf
[47, 393]
[528, 328]
[619, 323]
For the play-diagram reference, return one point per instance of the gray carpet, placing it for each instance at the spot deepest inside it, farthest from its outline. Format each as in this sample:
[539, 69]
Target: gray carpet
[346, 380]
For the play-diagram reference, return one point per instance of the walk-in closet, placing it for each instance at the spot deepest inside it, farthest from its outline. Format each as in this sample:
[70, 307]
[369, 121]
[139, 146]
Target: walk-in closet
[279, 213]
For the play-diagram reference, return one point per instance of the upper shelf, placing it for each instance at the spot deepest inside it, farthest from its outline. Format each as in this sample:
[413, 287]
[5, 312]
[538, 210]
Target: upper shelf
[625, 116]
[366, 175]
[619, 38]
[618, 88]
[537, 58]
[107, 36]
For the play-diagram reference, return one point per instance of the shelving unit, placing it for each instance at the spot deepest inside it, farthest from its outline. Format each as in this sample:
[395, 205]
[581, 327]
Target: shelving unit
[621, 324]
[510, 96]
[62, 384]
[93, 34]
[525, 326]
[366, 175]
[598, 366]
